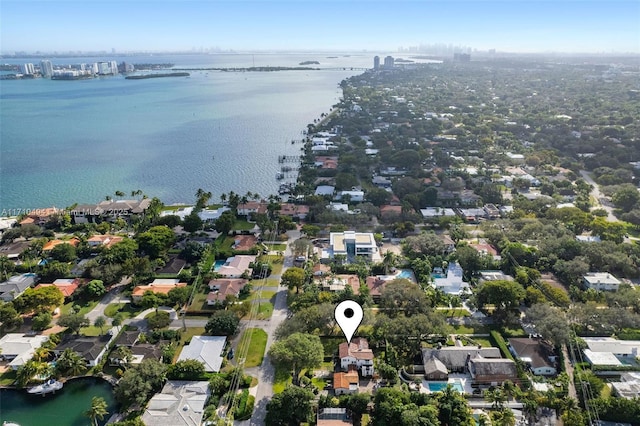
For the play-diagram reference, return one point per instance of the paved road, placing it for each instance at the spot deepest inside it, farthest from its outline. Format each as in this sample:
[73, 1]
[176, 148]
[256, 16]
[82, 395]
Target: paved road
[113, 296]
[597, 195]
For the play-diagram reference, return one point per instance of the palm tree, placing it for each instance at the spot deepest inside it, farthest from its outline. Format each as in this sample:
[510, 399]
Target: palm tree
[123, 355]
[26, 372]
[388, 261]
[70, 362]
[496, 397]
[6, 267]
[223, 198]
[41, 354]
[100, 322]
[98, 410]
[119, 194]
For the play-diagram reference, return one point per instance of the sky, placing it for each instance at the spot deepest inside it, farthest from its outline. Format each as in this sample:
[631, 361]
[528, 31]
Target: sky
[578, 26]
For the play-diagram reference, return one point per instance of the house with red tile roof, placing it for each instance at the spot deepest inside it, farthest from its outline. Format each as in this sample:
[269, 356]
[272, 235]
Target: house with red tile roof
[223, 287]
[49, 245]
[158, 286]
[66, 285]
[356, 354]
[40, 216]
[345, 383]
[294, 211]
[104, 240]
[335, 283]
[252, 207]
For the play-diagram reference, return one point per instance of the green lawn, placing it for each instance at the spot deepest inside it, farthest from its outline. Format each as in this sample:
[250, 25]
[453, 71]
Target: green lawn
[463, 329]
[281, 380]
[85, 307]
[258, 342]
[319, 383]
[459, 312]
[127, 309]
[265, 294]
[8, 377]
[173, 208]
[243, 225]
[277, 247]
[92, 330]
[265, 310]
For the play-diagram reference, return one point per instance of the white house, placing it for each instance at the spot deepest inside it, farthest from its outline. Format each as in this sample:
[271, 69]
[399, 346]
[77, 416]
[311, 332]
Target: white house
[602, 281]
[237, 265]
[352, 244]
[609, 345]
[206, 349]
[358, 354]
[354, 196]
[452, 283]
[536, 354]
[18, 348]
[180, 403]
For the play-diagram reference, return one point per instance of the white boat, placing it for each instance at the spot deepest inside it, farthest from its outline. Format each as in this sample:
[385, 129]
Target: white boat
[7, 423]
[49, 386]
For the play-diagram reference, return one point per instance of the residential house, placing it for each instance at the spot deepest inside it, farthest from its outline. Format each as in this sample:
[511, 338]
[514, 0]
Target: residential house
[491, 371]
[452, 282]
[321, 270]
[66, 285]
[104, 240]
[607, 351]
[333, 417]
[158, 286]
[351, 244]
[294, 211]
[14, 249]
[206, 349]
[49, 245]
[377, 284]
[469, 198]
[455, 358]
[434, 369]
[486, 249]
[491, 211]
[345, 383]
[390, 212]
[537, 354]
[629, 385]
[251, 208]
[91, 348]
[325, 190]
[15, 286]
[336, 283]
[472, 215]
[18, 348]
[381, 182]
[109, 209]
[40, 217]
[237, 266]
[494, 276]
[353, 196]
[139, 351]
[602, 281]
[223, 287]
[180, 403]
[326, 162]
[449, 244]
[357, 354]
[432, 213]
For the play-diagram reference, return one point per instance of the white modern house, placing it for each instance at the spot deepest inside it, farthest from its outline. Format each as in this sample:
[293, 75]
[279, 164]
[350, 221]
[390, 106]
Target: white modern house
[452, 282]
[601, 281]
[608, 351]
[180, 403]
[352, 244]
[18, 348]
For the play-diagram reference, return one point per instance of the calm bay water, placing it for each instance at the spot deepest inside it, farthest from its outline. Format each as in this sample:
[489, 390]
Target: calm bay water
[65, 407]
[63, 142]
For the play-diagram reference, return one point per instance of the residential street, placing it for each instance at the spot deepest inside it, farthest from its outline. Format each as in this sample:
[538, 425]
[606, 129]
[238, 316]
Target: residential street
[598, 196]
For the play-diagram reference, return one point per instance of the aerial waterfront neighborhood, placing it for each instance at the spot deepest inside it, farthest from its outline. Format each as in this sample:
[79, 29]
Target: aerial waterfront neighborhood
[487, 224]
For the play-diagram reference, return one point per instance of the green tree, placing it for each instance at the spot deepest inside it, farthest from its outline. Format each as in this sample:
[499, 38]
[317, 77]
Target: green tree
[98, 410]
[139, 383]
[179, 296]
[291, 407]
[158, 319]
[293, 277]
[100, 322]
[73, 322]
[156, 241]
[41, 321]
[188, 369]
[297, 352]
[63, 253]
[70, 362]
[95, 288]
[401, 295]
[6, 267]
[40, 299]
[222, 323]
[123, 354]
[225, 222]
[9, 317]
[425, 244]
[551, 322]
[453, 409]
[502, 294]
[192, 222]
[626, 197]
[193, 251]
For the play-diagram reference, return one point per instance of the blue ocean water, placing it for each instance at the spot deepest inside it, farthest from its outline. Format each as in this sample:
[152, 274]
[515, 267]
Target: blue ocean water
[63, 142]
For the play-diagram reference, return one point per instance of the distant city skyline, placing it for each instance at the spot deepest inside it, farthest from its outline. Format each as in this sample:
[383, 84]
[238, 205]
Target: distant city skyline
[571, 26]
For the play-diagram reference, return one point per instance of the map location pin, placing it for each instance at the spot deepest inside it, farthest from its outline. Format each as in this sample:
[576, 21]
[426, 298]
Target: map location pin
[348, 315]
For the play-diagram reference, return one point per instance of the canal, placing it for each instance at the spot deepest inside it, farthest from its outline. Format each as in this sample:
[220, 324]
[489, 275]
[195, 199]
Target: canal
[65, 407]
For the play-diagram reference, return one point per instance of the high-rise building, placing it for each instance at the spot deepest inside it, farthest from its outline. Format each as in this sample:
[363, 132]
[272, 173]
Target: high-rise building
[113, 65]
[27, 69]
[376, 62]
[46, 68]
[388, 62]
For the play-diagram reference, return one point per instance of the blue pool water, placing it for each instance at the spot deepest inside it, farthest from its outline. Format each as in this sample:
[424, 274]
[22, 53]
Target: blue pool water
[218, 264]
[439, 386]
[438, 275]
[406, 273]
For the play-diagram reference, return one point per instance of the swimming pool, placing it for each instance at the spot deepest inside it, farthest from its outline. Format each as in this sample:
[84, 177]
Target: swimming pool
[440, 386]
[218, 264]
[405, 273]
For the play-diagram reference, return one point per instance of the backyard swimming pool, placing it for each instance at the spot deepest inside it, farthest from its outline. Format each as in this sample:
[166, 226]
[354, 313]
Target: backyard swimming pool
[218, 264]
[439, 386]
[405, 273]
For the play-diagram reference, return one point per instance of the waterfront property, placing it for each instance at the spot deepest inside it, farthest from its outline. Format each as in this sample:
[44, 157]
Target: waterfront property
[18, 348]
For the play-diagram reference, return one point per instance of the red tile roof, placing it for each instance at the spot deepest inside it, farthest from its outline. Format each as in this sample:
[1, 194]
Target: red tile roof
[358, 349]
[344, 380]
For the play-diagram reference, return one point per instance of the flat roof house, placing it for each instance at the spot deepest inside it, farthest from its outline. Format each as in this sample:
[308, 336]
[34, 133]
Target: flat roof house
[602, 281]
[352, 244]
[19, 348]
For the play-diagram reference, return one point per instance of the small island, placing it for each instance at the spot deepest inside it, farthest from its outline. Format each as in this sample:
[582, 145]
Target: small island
[309, 63]
[160, 75]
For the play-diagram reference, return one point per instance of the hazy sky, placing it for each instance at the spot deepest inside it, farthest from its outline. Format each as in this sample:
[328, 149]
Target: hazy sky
[133, 25]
